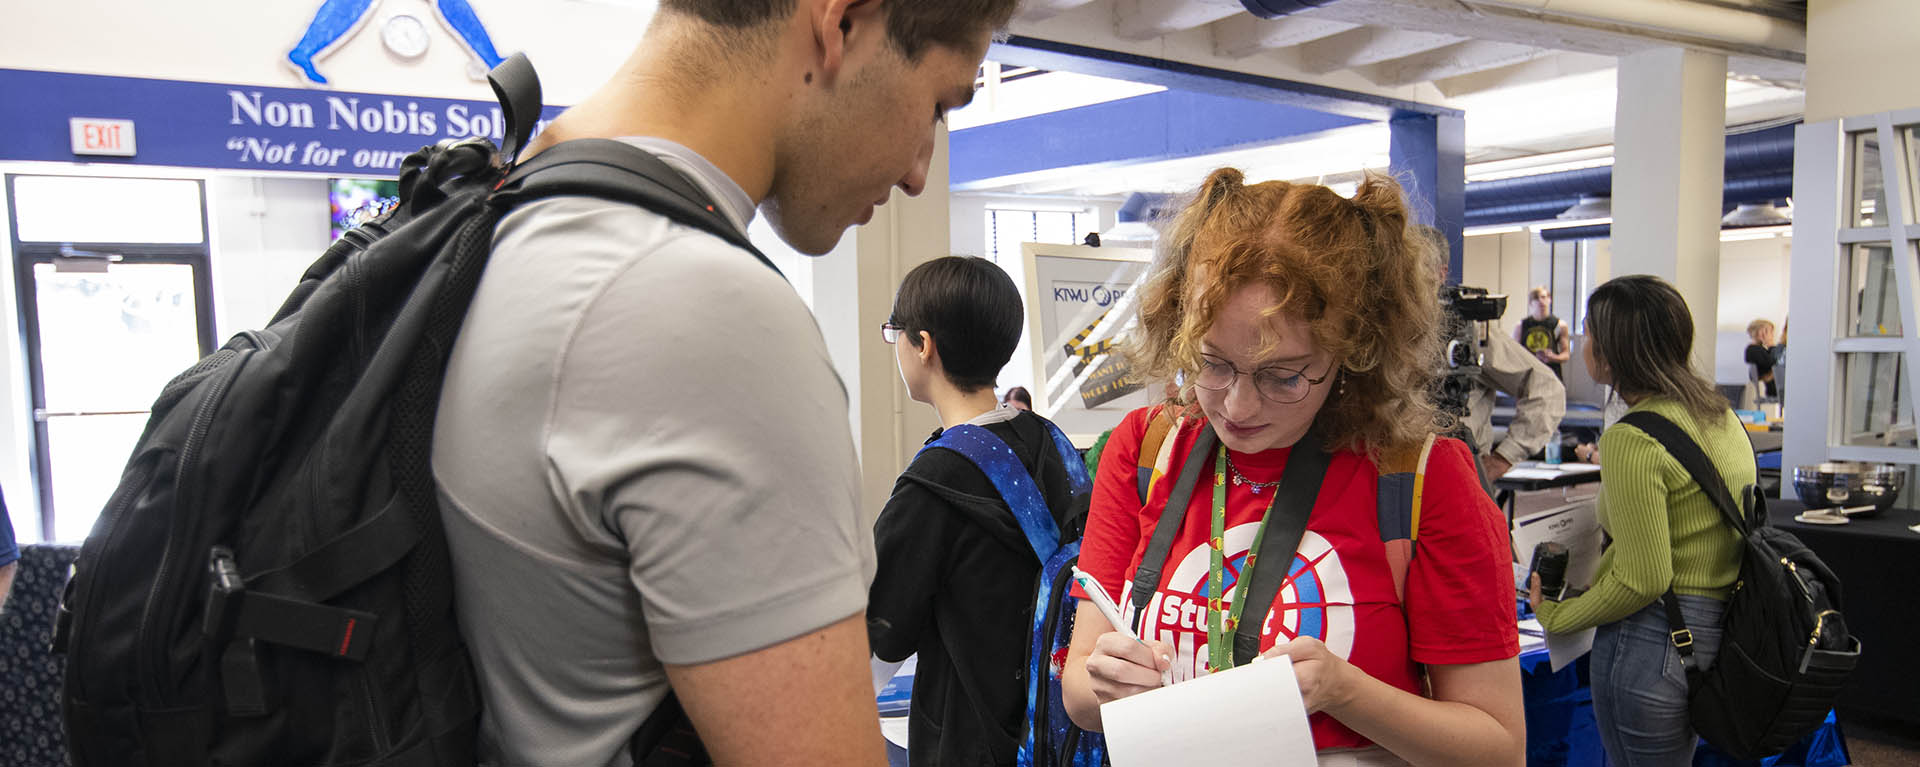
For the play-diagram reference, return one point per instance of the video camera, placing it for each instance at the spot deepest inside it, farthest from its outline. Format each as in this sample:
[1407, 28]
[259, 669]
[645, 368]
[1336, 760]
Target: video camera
[1463, 306]
[1464, 312]
[1473, 304]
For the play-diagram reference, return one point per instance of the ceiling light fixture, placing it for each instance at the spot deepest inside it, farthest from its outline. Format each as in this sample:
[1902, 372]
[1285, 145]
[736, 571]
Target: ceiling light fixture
[1588, 207]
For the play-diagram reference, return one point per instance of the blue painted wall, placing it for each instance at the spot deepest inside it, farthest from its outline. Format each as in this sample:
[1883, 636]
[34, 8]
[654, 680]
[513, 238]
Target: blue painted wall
[1178, 75]
[1156, 126]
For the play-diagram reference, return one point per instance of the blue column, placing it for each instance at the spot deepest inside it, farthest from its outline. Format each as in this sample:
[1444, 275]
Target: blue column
[1428, 154]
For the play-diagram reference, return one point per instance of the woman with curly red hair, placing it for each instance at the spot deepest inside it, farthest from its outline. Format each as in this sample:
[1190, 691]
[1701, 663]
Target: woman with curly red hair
[1304, 325]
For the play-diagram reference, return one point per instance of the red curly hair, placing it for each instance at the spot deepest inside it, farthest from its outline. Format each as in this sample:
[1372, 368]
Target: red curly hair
[1363, 280]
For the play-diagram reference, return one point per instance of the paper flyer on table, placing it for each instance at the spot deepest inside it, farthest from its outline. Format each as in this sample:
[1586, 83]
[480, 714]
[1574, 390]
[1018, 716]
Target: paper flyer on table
[1250, 715]
[1576, 527]
[1535, 470]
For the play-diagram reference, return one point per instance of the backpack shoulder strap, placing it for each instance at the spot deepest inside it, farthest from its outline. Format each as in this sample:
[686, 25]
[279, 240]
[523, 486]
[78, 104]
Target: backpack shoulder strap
[620, 172]
[1691, 458]
[1009, 477]
[1146, 577]
[1160, 423]
[1695, 461]
[1402, 489]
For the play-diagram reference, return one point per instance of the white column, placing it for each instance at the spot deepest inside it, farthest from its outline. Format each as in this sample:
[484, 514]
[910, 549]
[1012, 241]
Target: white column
[904, 233]
[1669, 163]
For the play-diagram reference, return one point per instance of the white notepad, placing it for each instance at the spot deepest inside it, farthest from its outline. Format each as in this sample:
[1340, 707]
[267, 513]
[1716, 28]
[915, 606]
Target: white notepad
[1247, 715]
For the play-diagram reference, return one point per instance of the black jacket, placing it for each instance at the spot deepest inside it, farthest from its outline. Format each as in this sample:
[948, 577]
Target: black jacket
[955, 583]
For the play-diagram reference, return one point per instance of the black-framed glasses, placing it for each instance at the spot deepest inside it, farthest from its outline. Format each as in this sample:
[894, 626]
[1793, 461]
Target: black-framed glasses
[1279, 385]
[890, 331]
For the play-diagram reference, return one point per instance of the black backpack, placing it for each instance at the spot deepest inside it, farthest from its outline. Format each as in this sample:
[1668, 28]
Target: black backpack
[1784, 649]
[269, 584]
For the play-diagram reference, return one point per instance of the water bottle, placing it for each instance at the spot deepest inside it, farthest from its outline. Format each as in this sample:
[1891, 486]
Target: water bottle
[1553, 450]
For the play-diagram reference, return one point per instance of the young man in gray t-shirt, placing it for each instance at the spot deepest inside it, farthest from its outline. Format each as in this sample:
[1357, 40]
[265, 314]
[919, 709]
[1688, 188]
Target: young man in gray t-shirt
[643, 452]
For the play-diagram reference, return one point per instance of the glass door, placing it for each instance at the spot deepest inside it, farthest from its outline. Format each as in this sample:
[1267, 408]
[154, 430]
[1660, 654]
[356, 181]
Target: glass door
[114, 301]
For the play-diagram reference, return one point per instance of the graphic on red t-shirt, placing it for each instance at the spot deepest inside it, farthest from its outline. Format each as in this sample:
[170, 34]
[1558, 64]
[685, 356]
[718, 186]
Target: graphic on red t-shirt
[1314, 600]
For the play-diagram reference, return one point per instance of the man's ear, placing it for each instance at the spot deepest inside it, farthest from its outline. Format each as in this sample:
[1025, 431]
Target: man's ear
[839, 26]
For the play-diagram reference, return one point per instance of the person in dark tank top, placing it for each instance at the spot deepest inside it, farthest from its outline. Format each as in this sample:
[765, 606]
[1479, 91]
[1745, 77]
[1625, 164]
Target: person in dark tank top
[1542, 333]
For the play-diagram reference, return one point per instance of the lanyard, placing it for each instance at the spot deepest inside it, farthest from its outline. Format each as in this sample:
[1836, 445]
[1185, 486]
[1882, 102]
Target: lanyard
[1219, 636]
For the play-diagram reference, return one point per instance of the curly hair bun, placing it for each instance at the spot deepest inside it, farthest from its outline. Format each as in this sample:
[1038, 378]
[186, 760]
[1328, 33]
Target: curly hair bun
[1380, 196]
[1219, 184]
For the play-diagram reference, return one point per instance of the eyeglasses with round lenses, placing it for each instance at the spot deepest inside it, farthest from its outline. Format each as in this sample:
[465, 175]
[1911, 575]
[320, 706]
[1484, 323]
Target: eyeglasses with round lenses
[1279, 385]
[890, 332]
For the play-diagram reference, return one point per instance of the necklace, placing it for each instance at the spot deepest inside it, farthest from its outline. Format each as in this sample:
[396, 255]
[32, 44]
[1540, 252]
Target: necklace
[1241, 479]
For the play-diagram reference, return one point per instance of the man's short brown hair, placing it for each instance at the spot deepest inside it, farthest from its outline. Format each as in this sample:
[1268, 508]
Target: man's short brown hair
[912, 25]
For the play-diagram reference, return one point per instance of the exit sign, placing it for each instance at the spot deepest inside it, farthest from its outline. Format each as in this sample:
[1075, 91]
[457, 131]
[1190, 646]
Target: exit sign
[94, 136]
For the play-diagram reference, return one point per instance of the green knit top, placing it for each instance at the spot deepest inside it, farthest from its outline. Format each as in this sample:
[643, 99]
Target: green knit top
[1666, 531]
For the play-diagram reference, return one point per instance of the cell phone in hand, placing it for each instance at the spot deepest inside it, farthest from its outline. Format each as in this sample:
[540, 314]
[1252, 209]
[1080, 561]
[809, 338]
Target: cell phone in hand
[1550, 563]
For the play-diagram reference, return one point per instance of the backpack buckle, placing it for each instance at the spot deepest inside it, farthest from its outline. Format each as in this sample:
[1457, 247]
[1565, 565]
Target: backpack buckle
[1682, 638]
[222, 594]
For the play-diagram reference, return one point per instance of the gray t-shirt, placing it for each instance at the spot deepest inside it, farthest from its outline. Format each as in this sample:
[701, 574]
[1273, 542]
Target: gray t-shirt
[644, 458]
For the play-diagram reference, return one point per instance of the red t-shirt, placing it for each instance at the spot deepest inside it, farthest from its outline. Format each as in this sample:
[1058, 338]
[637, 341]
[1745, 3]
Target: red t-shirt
[1459, 607]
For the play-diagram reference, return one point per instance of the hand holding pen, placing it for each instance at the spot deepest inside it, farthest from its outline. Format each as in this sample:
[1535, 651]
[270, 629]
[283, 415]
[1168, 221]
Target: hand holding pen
[1121, 664]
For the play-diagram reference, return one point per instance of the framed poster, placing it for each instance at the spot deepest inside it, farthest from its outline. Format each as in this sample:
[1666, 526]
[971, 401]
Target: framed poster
[1081, 300]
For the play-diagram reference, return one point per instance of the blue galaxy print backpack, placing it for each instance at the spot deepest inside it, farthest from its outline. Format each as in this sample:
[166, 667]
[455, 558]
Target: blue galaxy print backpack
[1051, 739]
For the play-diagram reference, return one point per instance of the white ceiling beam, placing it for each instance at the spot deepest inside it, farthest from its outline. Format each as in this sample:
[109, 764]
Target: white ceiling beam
[1369, 45]
[1785, 74]
[1241, 36]
[1559, 65]
[1711, 26]
[1457, 18]
[1148, 19]
[1035, 10]
[1462, 58]
[1092, 26]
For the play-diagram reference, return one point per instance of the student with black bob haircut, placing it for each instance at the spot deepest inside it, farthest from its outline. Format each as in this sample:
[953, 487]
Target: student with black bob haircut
[972, 307]
[955, 568]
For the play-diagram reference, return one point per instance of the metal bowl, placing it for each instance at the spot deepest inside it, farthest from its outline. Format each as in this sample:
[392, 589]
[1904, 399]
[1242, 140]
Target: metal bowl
[1847, 484]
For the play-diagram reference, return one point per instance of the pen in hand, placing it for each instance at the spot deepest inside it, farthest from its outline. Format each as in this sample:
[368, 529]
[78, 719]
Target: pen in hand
[1097, 594]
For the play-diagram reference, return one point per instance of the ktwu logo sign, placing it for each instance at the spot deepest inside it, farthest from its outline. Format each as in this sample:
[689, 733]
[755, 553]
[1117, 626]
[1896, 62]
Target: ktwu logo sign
[211, 125]
[340, 20]
[1098, 294]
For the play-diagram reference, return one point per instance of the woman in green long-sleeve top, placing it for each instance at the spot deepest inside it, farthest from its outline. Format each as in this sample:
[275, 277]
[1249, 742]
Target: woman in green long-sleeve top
[1665, 530]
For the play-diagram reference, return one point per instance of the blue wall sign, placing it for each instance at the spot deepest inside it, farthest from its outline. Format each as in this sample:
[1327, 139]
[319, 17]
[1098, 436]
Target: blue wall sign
[236, 127]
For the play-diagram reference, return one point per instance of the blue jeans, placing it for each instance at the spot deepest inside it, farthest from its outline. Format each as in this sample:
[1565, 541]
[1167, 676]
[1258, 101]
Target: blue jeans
[1639, 688]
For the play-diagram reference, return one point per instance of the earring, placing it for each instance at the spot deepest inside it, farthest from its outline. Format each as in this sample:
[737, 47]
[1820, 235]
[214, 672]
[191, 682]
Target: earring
[1340, 388]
